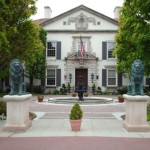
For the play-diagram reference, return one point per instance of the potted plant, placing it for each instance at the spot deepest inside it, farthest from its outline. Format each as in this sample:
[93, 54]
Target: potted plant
[93, 88]
[86, 94]
[75, 116]
[120, 99]
[74, 94]
[121, 91]
[68, 87]
[40, 98]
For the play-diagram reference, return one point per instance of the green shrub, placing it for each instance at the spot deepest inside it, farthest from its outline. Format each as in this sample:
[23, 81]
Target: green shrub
[148, 108]
[148, 117]
[76, 112]
[36, 89]
[2, 107]
[122, 90]
[32, 115]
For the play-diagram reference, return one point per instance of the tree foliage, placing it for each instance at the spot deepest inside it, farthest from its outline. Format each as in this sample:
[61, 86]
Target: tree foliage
[133, 37]
[19, 36]
[37, 68]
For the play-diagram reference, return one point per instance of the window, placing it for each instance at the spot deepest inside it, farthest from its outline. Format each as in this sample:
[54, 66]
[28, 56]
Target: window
[51, 49]
[64, 22]
[98, 23]
[110, 47]
[51, 77]
[79, 48]
[111, 78]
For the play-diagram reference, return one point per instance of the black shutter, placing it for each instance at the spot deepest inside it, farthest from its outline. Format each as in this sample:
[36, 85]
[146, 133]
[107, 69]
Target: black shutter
[7, 82]
[104, 50]
[147, 81]
[104, 77]
[58, 57]
[119, 79]
[43, 82]
[58, 77]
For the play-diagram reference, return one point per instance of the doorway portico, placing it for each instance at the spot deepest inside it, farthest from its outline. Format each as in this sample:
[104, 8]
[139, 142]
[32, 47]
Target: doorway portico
[81, 67]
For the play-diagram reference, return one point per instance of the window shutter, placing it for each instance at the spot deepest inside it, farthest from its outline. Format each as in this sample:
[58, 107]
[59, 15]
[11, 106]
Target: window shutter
[104, 77]
[58, 77]
[119, 79]
[104, 50]
[147, 81]
[7, 81]
[58, 57]
[43, 82]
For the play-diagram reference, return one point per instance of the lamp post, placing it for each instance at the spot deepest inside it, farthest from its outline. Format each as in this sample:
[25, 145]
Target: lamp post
[92, 77]
[70, 77]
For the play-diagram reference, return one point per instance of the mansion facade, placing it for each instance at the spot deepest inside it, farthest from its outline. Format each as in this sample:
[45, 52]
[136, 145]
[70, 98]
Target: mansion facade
[64, 61]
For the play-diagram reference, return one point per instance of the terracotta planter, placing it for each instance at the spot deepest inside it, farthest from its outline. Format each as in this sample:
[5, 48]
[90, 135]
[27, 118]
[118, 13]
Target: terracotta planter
[40, 99]
[120, 99]
[75, 125]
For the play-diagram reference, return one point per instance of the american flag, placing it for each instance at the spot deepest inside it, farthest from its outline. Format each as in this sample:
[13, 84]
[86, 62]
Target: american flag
[82, 48]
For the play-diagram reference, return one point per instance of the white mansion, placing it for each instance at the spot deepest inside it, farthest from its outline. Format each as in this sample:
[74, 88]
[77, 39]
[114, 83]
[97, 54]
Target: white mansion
[64, 61]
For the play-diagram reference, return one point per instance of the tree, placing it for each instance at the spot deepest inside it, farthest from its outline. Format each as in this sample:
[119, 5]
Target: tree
[133, 37]
[38, 67]
[19, 36]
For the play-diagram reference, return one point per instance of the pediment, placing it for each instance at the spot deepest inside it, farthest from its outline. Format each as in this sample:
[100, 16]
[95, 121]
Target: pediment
[88, 56]
[81, 16]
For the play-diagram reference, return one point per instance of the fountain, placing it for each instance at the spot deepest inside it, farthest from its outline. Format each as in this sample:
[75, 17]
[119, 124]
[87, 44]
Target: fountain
[80, 89]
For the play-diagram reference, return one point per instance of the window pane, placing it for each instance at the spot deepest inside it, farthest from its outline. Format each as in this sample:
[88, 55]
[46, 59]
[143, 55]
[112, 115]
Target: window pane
[111, 81]
[50, 77]
[51, 73]
[111, 77]
[50, 81]
[110, 47]
[51, 49]
[111, 74]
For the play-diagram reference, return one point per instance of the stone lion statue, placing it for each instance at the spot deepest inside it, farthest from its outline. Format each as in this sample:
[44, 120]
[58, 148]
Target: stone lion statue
[16, 77]
[136, 78]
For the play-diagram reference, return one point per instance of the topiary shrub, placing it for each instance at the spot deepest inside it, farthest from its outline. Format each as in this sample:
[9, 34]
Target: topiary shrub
[76, 112]
[2, 107]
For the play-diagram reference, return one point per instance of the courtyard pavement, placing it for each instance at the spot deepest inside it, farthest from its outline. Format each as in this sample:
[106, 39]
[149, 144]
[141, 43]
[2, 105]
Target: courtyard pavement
[102, 128]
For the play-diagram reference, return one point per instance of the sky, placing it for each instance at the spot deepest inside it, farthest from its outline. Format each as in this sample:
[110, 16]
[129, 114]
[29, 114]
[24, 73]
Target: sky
[105, 7]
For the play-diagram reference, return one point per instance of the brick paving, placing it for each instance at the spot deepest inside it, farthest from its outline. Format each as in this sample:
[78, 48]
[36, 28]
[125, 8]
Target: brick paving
[64, 139]
[74, 143]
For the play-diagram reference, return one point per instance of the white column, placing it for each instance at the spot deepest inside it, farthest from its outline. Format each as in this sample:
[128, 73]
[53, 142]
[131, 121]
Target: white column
[136, 113]
[17, 112]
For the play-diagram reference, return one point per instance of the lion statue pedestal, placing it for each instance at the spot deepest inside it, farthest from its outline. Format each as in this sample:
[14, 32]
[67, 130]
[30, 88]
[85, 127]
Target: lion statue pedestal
[17, 112]
[17, 101]
[136, 113]
[136, 101]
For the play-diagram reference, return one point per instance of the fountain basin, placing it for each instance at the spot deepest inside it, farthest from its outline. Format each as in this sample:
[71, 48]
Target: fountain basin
[87, 100]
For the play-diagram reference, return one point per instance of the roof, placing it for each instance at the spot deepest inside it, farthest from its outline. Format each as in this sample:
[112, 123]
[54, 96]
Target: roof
[41, 21]
[46, 21]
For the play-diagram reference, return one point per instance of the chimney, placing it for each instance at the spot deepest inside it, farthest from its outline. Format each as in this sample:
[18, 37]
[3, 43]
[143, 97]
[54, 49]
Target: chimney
[47, 12]
[116, 12]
